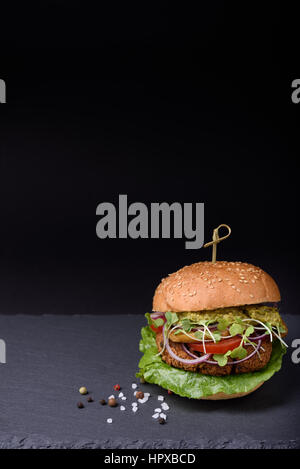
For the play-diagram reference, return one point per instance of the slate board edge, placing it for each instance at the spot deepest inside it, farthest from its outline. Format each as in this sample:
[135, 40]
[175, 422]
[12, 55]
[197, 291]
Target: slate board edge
[38, 442]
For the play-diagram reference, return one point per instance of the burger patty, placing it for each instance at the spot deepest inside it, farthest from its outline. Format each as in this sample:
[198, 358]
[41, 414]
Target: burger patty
[254, 363]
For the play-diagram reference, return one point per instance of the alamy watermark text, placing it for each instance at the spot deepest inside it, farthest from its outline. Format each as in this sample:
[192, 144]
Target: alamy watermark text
[161, 220]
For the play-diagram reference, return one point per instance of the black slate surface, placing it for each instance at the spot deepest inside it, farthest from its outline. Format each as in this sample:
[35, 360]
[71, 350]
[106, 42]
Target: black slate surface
[50, 357]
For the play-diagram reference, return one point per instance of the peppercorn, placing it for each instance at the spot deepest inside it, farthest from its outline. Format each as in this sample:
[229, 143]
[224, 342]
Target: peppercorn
[112, 402]
[83, 390]
[90, 399]
[102, 402]
[139, 395]
[80, 405]
[117, 387]
[161, 421]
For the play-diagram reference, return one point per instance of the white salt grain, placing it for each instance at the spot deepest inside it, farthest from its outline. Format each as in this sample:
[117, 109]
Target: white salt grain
[122, 407]
[134, 386]
[109, 420]
[163, 416]
[157, 410]
[155, 416]
[135, 409]
[160, 398]
[165, 406]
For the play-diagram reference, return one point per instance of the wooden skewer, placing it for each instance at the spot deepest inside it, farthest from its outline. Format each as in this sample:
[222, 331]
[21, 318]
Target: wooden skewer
[216, 239]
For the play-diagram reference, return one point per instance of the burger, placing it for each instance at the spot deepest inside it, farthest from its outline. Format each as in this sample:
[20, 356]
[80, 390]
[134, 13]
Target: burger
[215, 331]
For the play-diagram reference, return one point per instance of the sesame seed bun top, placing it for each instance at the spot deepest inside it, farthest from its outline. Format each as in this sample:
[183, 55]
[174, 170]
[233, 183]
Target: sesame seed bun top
[207, 286]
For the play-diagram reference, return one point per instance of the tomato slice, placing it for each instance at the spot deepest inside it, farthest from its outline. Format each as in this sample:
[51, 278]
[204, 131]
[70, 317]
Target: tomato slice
[220, 347]
[159, 328]
[156, 329]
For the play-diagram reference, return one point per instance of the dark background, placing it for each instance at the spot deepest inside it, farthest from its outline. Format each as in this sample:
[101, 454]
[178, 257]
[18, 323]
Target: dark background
[157, 101]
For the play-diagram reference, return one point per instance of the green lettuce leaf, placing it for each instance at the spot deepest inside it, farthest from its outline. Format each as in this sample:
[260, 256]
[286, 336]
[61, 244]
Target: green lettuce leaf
[196, 385]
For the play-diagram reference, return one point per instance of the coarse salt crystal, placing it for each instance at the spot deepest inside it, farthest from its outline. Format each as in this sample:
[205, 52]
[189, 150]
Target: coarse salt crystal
[109, 420]
[121, 394]
[134, 386]
[157, 410]
[134, 404]
[134, 393]
[134, 409]
[147, 394]
[165, 406]
[122, 407]
[160, 398]
[111, 397]
[123, 398]
[163, 416]
[155, 416]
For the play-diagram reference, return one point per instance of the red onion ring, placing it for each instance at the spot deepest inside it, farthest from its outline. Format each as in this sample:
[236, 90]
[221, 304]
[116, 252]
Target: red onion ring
[183, 360]
[156, 315]
[259, 337]
[188, 351]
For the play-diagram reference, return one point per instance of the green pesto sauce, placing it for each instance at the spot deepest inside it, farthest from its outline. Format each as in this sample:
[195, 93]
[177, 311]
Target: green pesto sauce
[268, 314]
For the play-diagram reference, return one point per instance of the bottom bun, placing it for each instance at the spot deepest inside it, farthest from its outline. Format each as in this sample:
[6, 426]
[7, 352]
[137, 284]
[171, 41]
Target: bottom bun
[222, 395]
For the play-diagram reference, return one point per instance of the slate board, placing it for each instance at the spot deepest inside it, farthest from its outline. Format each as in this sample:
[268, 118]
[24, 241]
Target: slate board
[49, 357]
